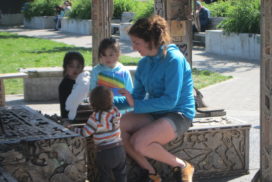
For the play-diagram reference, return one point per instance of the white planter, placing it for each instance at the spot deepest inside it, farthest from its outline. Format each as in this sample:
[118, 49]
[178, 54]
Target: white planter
[40, 22]
[11, 19]
[76, 26]
[124, 27]
[241, 45]
[127, 16]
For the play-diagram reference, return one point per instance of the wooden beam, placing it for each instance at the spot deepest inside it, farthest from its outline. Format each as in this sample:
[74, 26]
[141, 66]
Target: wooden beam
[178, 15]
[102, 11]
[266, 91]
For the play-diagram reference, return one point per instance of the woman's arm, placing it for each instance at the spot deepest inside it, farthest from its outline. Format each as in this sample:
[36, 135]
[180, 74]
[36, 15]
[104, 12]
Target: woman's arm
[128, 82]
[93, 81]
[172, 83]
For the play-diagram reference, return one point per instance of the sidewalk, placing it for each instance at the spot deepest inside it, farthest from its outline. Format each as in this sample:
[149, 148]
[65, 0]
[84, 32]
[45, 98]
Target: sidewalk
[238, 96]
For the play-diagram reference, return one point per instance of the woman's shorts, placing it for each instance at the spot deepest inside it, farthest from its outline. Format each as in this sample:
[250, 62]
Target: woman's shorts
[179, 122]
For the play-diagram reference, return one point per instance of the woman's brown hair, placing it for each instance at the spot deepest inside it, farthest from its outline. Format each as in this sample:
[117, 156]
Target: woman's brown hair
[101, 99]
[153, 30]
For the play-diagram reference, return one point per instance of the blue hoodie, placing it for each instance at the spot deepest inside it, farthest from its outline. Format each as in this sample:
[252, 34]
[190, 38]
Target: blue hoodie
[164, 84]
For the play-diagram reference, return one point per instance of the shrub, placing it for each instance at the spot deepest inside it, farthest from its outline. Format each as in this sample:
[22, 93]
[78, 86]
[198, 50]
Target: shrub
[143, 9]
[82, 9]
[244, 17]
[40, 8]
[121, 6]
[220, 8]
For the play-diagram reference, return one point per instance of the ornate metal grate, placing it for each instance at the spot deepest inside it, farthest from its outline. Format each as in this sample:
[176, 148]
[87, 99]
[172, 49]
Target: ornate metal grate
[23, 123]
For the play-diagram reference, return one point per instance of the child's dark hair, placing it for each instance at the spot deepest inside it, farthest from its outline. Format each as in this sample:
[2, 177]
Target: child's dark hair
[108, 43]
[69, 57]
[101, 99]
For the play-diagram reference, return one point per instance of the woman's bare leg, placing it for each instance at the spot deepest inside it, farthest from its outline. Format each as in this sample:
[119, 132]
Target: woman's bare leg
[130, 123]
[148, 142]
[144, 137]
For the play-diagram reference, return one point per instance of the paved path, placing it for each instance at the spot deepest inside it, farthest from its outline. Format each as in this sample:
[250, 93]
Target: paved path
[239, 96]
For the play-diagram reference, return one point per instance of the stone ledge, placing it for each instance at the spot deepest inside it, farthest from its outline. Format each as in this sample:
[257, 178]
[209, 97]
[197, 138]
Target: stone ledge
[216, 146]
[42, 83]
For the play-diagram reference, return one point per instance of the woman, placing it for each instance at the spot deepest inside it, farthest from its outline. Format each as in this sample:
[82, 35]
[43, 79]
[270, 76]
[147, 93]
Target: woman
[162, 98]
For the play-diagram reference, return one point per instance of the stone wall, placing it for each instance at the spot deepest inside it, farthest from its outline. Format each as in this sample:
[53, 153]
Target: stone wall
[76, 26]
[40, 22]
[234, 45]
[11, 19]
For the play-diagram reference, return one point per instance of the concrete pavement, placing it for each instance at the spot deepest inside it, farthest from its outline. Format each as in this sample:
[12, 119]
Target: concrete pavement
[238, 96]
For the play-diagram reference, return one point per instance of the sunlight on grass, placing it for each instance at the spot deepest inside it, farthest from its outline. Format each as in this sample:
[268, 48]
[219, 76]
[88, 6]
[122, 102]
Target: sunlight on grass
[26, 52]
[204, 78]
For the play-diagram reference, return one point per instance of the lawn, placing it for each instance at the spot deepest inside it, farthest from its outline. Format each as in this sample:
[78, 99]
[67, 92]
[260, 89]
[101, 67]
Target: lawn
[27, 52]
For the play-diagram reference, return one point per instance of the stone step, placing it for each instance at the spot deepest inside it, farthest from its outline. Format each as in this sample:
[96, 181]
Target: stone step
[199, 43]
[199, 39]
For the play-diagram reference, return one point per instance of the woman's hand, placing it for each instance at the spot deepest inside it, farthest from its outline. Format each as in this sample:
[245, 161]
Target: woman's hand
[129, 97]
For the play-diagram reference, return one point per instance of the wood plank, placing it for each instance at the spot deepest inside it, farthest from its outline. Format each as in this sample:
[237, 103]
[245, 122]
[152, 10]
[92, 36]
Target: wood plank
[2, 93]
[12, 75]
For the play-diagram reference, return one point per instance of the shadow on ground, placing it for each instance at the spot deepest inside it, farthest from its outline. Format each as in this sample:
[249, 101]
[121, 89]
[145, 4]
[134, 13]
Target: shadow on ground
[222, 64]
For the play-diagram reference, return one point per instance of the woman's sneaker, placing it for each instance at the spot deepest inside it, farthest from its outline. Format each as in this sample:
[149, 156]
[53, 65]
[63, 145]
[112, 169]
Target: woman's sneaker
[147, 177]
[154, 178]
[184, 174]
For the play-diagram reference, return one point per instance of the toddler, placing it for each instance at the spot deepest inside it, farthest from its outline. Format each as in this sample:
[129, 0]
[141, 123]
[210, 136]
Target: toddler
[104, 125]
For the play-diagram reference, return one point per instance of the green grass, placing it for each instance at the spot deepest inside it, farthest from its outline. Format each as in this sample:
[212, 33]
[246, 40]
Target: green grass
[204, 78]
[27, 52]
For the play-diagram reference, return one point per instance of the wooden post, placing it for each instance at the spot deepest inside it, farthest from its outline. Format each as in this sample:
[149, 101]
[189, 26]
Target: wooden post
[2, 93]
[102, 11]
[266, 92]
[178, 15]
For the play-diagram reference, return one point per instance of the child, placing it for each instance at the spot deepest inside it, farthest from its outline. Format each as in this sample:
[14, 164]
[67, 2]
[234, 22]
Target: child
[104, 125]
[110, 73]
[73, 64]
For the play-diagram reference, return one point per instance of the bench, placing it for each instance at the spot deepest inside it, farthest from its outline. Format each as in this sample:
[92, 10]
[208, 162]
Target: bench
[2, 87]
[217, 147]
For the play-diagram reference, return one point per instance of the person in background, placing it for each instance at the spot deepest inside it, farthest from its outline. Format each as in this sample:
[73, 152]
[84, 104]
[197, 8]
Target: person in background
[62, 11]
[104, 125]
[59, 14]
[202, 18]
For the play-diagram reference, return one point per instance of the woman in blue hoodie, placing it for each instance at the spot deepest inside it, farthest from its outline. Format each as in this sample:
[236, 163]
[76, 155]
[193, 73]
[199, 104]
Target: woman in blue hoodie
[162, 99]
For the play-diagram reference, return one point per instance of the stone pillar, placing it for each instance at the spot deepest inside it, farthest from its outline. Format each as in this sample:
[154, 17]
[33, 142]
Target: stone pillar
[102, 11]
[178, 15]
[266, 91]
